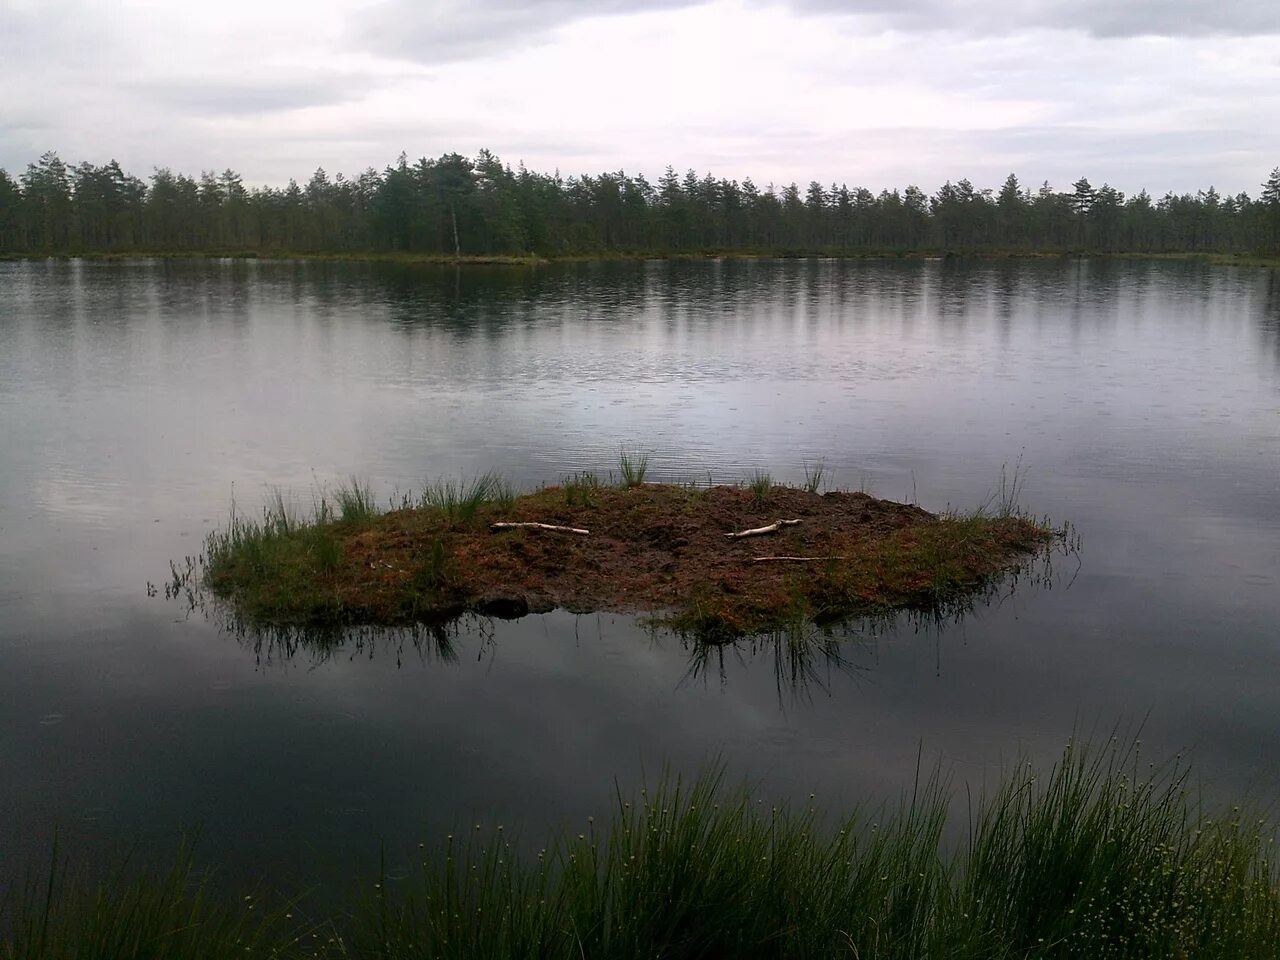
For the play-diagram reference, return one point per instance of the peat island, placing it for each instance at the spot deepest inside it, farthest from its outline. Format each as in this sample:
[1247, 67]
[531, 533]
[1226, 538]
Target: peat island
[717, 562]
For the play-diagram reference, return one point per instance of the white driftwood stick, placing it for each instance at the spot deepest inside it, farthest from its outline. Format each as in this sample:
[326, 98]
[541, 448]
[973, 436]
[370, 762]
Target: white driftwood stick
[790, 559]
[540, 526]
[760, 531]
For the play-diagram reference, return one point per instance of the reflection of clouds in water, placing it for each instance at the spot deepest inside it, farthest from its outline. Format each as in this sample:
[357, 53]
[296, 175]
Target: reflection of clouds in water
[70, 493]
[1143, 394]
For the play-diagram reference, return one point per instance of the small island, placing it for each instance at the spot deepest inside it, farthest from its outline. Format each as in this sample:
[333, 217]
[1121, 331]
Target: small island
[715, 562]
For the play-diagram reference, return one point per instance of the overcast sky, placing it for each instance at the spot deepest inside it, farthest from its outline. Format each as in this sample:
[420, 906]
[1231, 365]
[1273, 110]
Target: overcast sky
[1166, 94]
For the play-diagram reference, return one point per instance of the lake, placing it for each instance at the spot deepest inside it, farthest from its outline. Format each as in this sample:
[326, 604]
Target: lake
[137, 399]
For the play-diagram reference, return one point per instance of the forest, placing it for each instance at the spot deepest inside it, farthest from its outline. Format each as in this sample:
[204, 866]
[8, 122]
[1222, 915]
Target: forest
[456, 206]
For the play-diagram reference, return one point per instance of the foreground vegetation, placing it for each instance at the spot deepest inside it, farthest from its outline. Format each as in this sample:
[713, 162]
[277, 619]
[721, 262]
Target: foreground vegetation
[1097, 858]
[459, 206]
[617, 544]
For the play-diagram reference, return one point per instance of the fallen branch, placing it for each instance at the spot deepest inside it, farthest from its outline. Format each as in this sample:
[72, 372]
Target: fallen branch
[539, 526]
[793, 559]
[760, 531]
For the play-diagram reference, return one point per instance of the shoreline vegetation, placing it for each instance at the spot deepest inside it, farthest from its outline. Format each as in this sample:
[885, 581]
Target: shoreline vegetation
[1104, 855]
[489, 260]
[716, 563]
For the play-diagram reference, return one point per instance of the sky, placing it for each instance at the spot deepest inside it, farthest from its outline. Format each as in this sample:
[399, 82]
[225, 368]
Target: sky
[1157, 94]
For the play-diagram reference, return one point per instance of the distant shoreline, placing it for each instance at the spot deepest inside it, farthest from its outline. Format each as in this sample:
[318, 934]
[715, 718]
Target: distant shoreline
[534, 260]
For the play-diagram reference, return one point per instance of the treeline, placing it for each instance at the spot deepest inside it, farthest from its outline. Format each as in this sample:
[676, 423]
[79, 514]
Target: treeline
[457, 205]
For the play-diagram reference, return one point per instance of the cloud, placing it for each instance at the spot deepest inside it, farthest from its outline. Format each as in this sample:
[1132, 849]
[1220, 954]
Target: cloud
[445, 31]
[57, 40]
[452, 30]
[868, 92]
[1097, 18]
[221, 96]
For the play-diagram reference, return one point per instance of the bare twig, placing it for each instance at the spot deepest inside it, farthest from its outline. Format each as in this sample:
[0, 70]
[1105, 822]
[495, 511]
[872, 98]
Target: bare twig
[539, 526]
[760, 531]
[794, 559]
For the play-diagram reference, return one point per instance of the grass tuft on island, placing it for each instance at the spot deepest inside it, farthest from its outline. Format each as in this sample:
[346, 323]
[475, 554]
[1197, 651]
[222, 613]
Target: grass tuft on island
[659, 549]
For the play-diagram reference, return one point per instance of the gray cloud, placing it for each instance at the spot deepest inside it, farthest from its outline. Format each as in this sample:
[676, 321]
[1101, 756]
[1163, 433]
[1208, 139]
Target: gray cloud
[26, 26]
[53, 37]
[221, 96]
[961, 88]
[1099, 18]
[455, 30]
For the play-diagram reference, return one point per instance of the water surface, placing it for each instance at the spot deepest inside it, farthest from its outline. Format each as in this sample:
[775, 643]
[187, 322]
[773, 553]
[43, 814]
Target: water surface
[137, 399]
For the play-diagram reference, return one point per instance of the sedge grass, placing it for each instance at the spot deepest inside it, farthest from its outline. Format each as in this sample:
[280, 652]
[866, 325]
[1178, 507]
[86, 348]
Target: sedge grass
[1003, 502]
[760, 483]
[130, 916]
[814, 474]
[280, 568]
[1100, 856]
[632, 467]
[461, 500]
[355, 501]
[580, 488]
[275, 561]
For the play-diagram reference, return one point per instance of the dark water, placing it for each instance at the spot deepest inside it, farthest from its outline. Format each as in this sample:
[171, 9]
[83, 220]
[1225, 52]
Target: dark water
[135, 399]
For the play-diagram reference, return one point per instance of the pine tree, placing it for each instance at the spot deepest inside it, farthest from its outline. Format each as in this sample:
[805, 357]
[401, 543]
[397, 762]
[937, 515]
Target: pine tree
[1270, 200]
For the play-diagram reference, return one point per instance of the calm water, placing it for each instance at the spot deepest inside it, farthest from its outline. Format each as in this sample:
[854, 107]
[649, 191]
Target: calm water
[137, 399]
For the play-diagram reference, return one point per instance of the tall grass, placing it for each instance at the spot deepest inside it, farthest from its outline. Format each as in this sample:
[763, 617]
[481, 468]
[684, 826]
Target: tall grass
[461, 500]
[172, 916]
[355, 502]
[279, 557]
[814, 474]
[632, 467]
[1099, 856]
[580, 488]
[280, 567]
[434, 568]
[257, 542]
[1004, 501]
[1095, 858]
[760, 483]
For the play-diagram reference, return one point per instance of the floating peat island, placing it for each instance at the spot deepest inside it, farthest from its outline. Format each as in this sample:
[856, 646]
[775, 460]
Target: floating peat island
[718, 562]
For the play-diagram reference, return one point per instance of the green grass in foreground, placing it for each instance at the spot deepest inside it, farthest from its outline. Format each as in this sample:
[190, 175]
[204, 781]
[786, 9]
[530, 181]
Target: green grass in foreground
[1096, 858]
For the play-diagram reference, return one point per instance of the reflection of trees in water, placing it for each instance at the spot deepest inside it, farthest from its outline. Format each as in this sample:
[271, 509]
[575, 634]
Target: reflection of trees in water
[481, 301]
[484, 299]
[1269, 320]
[488, 302]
